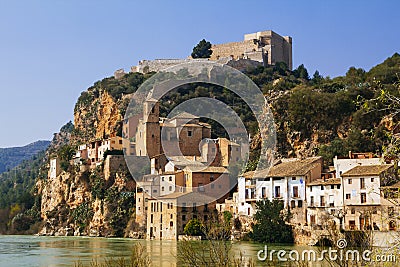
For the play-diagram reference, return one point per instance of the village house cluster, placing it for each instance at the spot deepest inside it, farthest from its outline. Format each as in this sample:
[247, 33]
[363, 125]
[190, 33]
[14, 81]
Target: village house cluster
[360, 192]
[189, 179]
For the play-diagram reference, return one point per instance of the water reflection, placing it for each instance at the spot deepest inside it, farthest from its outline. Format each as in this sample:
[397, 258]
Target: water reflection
[66, 251]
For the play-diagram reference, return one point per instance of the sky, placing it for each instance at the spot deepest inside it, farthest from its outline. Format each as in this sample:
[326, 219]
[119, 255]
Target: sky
[52, 50]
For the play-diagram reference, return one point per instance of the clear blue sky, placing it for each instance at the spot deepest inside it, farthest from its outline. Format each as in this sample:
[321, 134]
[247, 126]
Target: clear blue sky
[52, 50]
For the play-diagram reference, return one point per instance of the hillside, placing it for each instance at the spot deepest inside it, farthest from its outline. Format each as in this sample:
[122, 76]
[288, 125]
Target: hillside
[313, 115]
[13, 156]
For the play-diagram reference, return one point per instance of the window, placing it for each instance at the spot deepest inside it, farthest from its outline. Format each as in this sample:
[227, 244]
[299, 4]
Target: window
[151, 218]
[322, 201]
[295, 191]
[211, 178]
[350, 181]
[311, 201]
[183, 218]
[312, 219]
[170, 178]
[184, 206]
[363, 197]
[171, 216]
[171, 224]
[352, 225]
[205, 207]
[189, 133]
[322, 187]
[263, 192]
[277, 191]
[310, 188]
[292, 204]
[162, 188]
[293, 178]
[212, 186]
[338, 186]
[362, 183]
[162, 178]
[353, 211]
[300, 203]
[332, 187]
[161, 219]
[348, 196]
[170, 188]
[372, 180]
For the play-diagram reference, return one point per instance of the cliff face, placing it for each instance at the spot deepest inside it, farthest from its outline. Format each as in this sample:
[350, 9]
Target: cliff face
[84, 201]
[97, 118]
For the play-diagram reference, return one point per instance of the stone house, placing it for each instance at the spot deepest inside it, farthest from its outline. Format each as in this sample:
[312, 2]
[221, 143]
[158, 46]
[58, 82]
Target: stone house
[168, 215]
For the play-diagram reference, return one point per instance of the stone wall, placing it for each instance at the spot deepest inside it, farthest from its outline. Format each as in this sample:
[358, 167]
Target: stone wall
[234, 50]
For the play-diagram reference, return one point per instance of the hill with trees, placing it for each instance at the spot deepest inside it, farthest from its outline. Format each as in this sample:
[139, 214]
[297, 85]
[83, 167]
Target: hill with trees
[13, 156]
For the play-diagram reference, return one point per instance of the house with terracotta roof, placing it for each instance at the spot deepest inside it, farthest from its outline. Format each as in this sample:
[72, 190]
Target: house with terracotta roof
[285, 181]
[362, 201]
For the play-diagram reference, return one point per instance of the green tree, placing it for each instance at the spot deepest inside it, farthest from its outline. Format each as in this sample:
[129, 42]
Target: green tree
[271, 219]
[202, 50]
[317, 78]
[301, 72]
[193, 227]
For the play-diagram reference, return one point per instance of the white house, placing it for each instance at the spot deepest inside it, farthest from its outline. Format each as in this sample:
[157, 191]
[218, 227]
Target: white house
[362, 196]
[342, 165]
[285, 181]
[324, 198]
[55, 168]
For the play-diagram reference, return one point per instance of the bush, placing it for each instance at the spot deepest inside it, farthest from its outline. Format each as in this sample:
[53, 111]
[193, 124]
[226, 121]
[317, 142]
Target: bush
[193, 228]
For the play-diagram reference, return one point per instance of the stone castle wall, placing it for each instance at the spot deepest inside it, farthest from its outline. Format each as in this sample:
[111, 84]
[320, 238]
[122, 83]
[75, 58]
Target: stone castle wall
[234, 50]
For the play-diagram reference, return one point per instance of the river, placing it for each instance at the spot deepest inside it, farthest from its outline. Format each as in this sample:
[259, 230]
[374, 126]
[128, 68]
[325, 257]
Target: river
[68, 251]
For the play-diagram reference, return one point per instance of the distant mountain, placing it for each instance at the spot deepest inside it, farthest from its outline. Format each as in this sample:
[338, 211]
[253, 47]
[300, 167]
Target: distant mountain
[13, 156]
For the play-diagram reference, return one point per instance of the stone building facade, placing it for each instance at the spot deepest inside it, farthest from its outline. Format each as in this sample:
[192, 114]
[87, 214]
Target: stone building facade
[267, 47]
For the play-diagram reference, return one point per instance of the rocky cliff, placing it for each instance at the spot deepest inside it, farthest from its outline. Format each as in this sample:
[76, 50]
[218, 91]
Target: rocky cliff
[84, 199]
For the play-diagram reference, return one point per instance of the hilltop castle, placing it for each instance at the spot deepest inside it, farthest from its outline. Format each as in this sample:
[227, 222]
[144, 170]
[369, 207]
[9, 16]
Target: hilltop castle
[261, 48]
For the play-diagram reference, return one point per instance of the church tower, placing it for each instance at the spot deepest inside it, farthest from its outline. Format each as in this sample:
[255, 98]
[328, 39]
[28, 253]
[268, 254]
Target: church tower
[148, 141]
